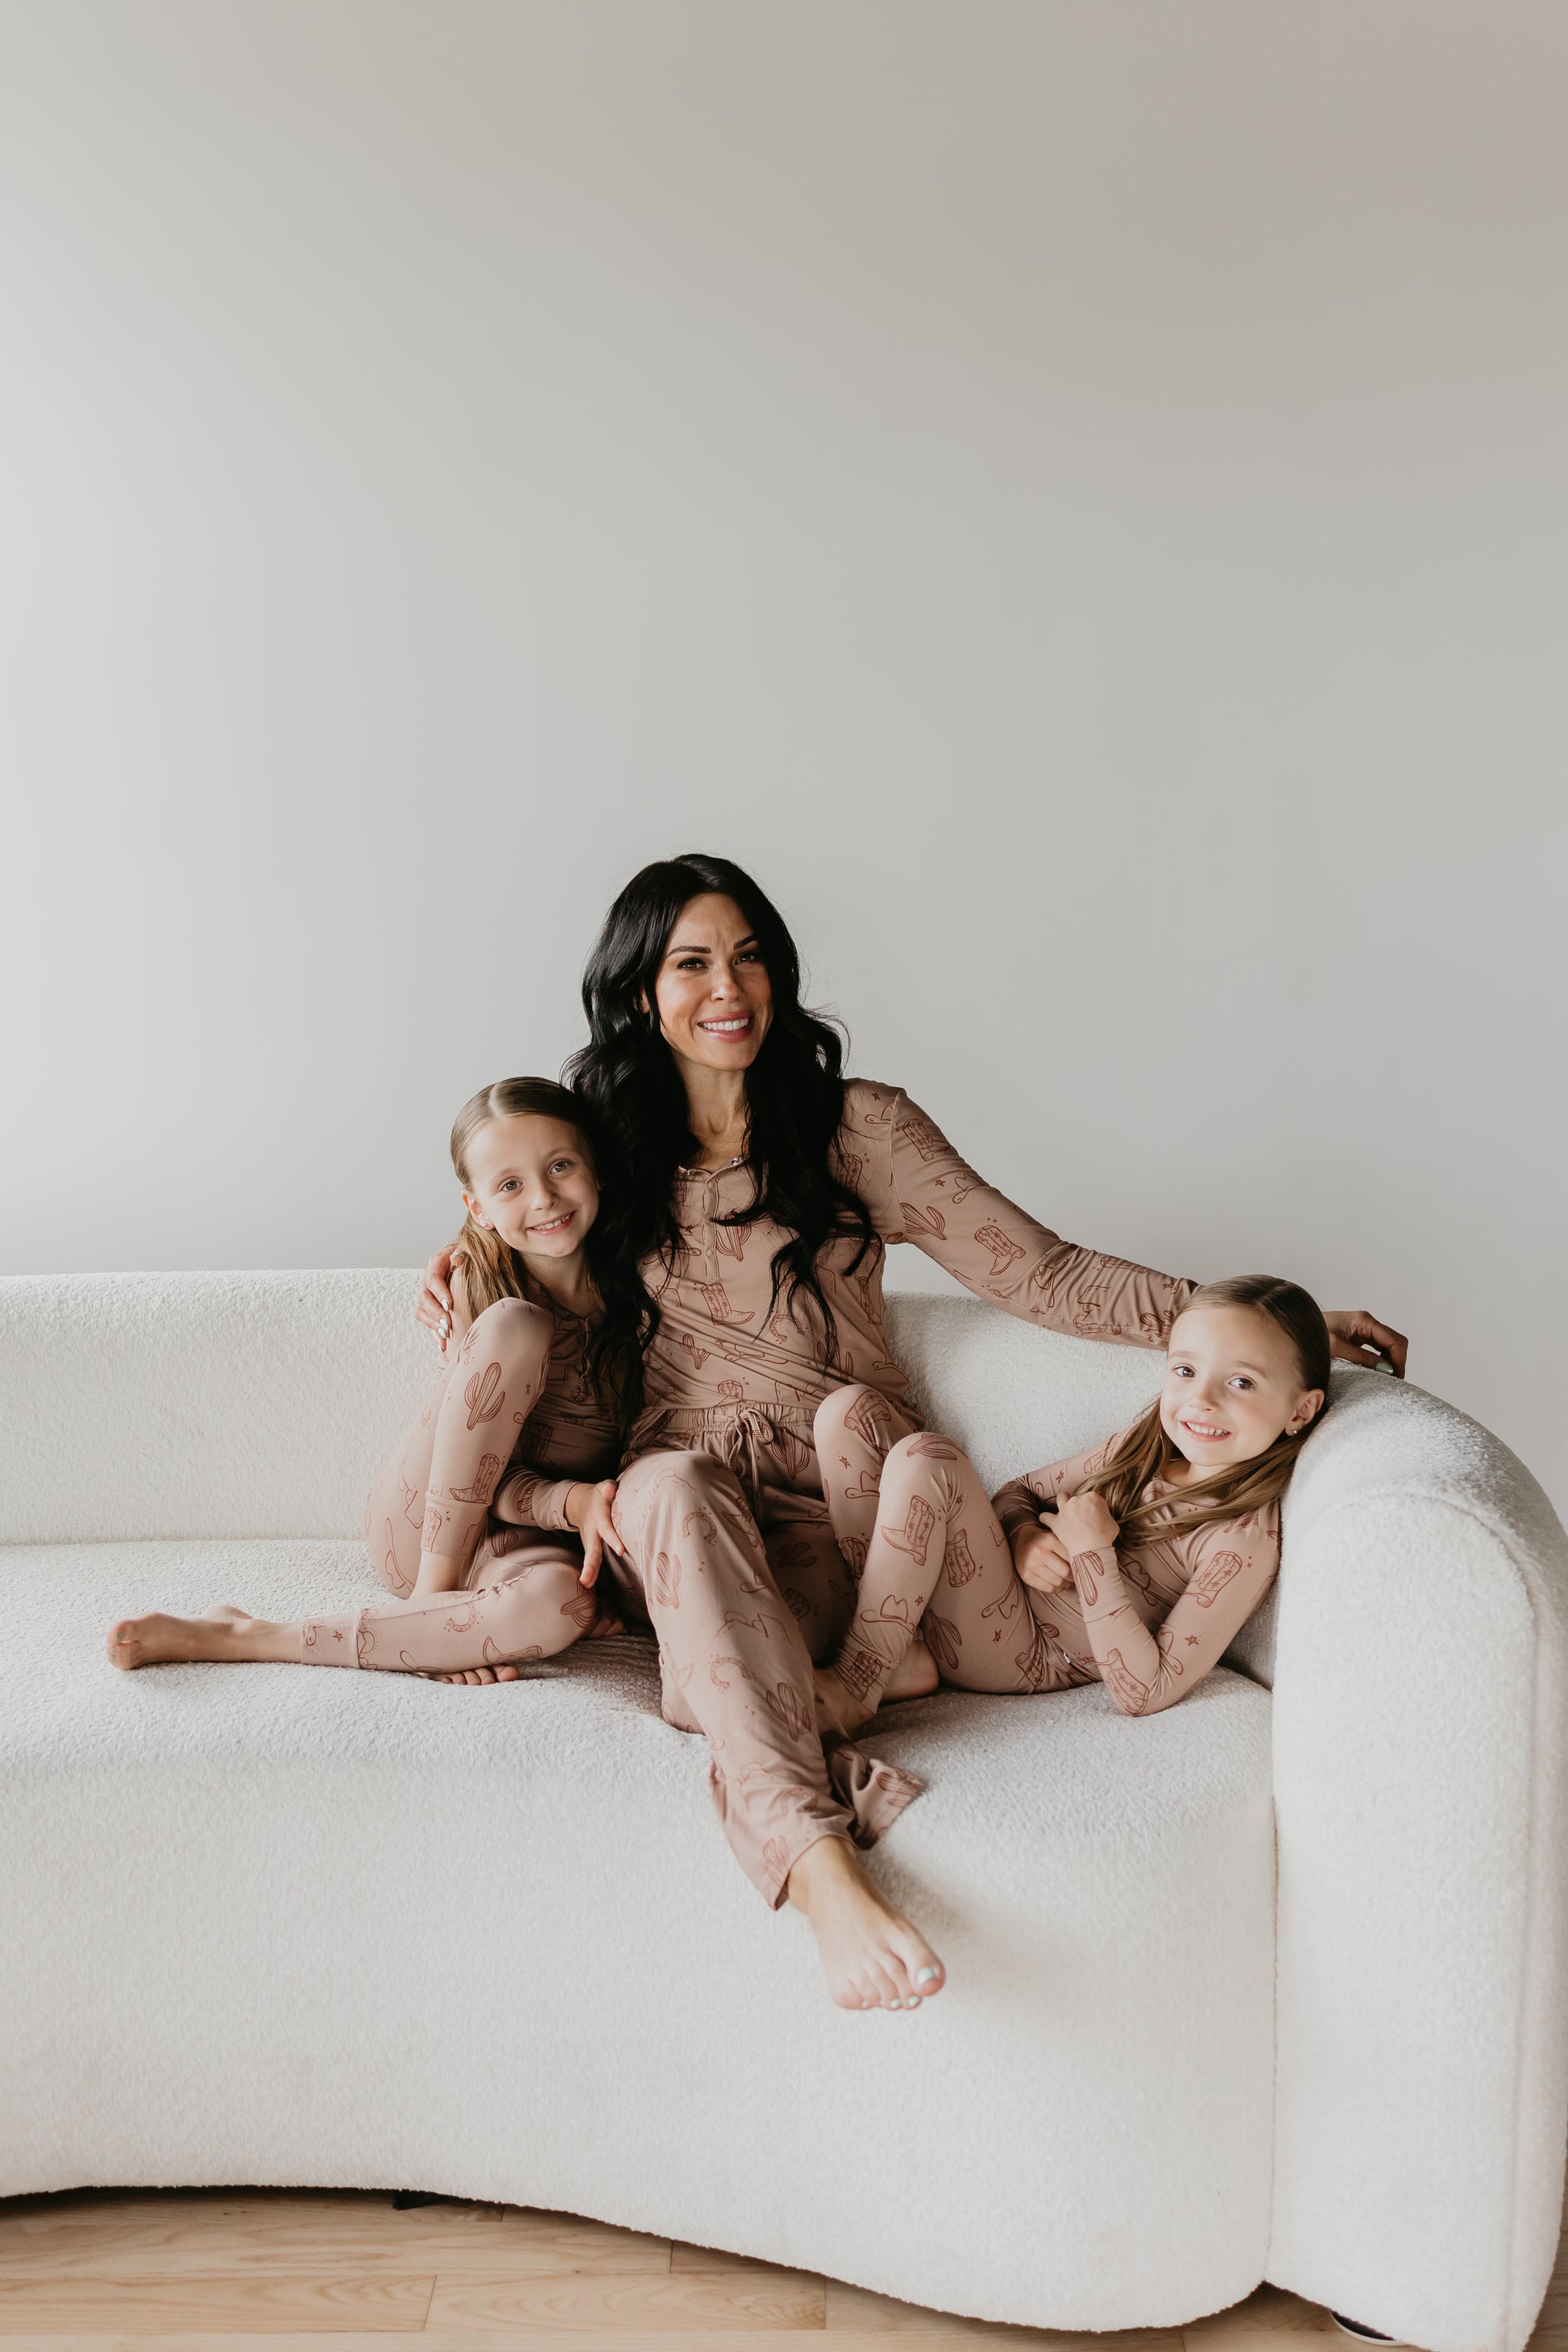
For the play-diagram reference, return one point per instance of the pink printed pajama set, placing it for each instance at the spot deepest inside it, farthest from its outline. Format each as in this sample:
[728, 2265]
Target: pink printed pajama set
[726, 1538]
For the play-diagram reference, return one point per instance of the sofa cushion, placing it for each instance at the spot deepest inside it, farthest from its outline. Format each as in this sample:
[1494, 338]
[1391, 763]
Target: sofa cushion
[282, 1925]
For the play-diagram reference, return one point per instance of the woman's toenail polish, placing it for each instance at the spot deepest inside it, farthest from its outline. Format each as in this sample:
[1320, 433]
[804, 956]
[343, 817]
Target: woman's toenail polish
[926, 1976]
[895, 2004]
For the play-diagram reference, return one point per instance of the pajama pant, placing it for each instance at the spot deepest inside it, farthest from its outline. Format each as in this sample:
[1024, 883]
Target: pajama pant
[727, 1548]
[520, 1597]
[915, 1520]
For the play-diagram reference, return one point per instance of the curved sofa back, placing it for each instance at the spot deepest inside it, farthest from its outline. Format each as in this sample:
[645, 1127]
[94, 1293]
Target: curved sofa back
[140, 1405]
[170, 1405]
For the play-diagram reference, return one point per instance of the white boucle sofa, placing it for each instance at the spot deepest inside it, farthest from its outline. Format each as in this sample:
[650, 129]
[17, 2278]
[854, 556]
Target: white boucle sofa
[1271, 1986]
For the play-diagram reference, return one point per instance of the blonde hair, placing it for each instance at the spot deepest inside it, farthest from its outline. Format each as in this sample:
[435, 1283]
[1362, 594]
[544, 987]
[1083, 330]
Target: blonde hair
[492, 1269]
[1245, 1486]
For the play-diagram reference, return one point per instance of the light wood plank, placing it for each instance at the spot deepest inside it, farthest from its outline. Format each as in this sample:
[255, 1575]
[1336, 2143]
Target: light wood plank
[775, 2300]
[714, 2261]
[144, 2308]
[855, 2309]
[140, 2237]
[524, 2339]
[1268, 2318]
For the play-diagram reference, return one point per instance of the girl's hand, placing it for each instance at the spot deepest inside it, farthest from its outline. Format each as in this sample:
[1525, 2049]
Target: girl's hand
[1040, 1560]
[1084, 1524]
[588, 1509]
[606, 1622]
[434, 1308]
[1357, 1337]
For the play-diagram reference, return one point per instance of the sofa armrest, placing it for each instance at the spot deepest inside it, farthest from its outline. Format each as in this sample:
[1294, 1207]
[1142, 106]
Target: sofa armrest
[1420, 1787]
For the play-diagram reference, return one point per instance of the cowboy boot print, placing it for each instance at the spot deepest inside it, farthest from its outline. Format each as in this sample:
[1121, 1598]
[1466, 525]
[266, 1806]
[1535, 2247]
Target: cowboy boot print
[1213, 1576]
[484, 1483]
[1132, 1695]
[961, 1563]
[928, 1141]
[1005, 1252]
[916, 1533]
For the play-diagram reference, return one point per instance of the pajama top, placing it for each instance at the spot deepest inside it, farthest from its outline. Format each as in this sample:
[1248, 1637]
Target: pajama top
[568, 1435]
[727, 1364]
[1148, 1621]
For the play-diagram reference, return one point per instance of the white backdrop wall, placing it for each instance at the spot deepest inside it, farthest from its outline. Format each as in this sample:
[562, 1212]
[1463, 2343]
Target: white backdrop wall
[1073, 495]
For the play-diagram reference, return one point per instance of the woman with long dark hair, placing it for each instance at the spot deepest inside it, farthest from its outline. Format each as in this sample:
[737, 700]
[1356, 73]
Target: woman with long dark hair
[757, 1193]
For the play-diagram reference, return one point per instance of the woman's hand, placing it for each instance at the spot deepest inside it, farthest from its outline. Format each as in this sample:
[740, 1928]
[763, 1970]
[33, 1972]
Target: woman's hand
[589, 1511]
[1039, 1559]
[434, 1308]
[1084, 1524]
[1357, 1337]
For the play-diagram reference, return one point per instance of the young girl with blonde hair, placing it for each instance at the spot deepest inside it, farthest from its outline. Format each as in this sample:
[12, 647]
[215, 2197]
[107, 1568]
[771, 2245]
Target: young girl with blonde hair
[1135, 1564]
[502, 1490]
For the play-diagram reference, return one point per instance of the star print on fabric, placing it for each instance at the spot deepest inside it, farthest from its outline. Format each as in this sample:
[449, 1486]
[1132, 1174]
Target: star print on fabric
[1192, 1641]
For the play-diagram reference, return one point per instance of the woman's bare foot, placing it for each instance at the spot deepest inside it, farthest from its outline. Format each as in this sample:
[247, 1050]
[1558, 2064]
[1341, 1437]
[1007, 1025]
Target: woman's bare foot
[225, 1633]
[873, 1957]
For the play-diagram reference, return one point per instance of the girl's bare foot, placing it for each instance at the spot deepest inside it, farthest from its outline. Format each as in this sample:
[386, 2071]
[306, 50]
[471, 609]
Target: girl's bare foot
[873, 1957]
[915, 1675]
[847, 1713]
[158, 1641]
[479, 1675]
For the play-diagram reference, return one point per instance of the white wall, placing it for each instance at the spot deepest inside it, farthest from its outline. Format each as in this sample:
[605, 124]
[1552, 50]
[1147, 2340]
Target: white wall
[1073, 494]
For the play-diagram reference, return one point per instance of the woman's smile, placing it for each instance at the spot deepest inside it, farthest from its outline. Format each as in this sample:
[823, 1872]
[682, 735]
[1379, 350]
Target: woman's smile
[713, 996]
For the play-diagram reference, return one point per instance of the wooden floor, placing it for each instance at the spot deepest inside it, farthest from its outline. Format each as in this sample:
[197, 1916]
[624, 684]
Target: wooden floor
[259, 2270]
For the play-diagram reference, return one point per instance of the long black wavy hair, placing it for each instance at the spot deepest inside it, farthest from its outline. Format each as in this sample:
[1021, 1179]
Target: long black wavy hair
[794, 1089]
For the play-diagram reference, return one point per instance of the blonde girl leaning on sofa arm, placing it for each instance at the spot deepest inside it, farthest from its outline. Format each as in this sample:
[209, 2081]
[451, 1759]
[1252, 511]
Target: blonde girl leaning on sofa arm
[1135, 1564]
[500, 1492]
